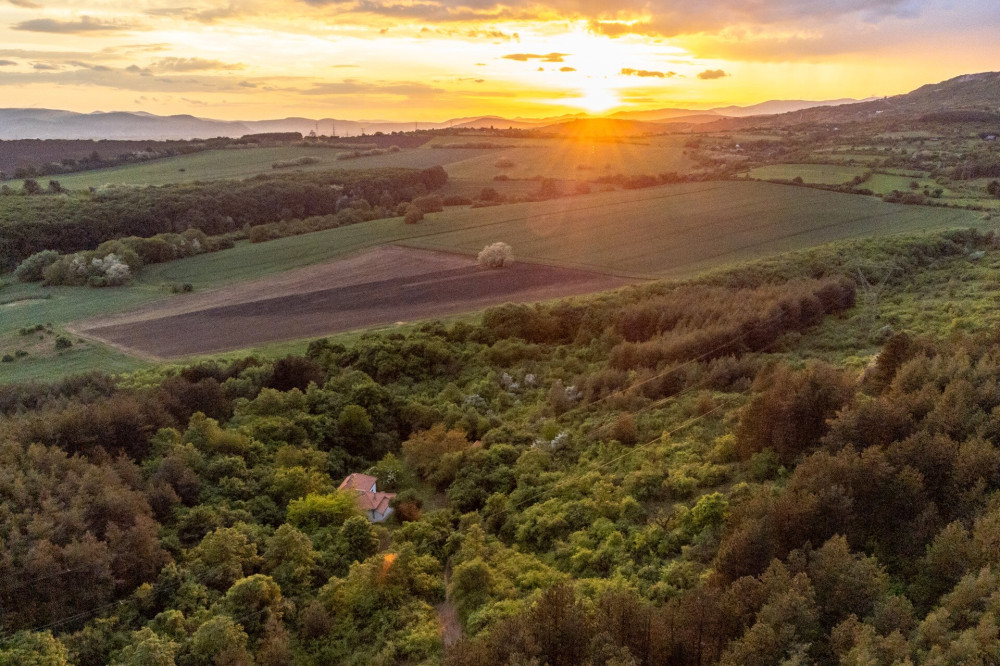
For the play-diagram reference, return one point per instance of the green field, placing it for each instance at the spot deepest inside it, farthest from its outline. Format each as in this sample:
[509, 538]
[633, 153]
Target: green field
[532, 158]
[677, 230]
[570, 159]
[818, 174]
[668, 231]
[243, 163]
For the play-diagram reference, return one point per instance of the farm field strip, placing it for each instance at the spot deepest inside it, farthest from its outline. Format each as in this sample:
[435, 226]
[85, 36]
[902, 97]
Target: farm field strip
[668, 241]
[245, 163]
[670, 231]
[378, 287]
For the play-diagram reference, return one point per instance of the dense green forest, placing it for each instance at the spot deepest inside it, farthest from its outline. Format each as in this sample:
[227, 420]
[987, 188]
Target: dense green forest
[33, 223]
[791, 462]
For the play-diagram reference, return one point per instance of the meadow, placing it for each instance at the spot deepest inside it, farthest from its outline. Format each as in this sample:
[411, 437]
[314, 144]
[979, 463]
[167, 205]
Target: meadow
[562, 159]
[819, 174]
[244, 163]
[672, 231]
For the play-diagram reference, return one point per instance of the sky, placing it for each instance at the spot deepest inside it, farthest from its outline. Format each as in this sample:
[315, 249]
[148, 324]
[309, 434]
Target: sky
[433, 60]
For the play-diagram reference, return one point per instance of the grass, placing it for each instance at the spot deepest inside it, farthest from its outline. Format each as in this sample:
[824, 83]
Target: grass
[818, 174]
[473, 169]
[668, 231]
[233, 164]
[569, 159]
[681, 229]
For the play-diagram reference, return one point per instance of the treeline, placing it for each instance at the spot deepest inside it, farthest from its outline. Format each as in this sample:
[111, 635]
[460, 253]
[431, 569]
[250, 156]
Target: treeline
[81, 222]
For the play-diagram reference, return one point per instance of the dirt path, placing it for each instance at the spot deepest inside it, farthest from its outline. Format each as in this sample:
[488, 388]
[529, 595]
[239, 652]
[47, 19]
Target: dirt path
[450, 627]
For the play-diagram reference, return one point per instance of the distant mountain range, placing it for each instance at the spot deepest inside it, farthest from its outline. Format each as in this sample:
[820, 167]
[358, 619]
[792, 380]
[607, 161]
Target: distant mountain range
[970, 96]
[55, 124]
[979, 93]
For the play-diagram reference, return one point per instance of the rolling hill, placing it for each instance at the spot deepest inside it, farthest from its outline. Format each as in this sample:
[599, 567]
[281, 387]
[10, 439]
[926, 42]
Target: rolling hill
[978, 94]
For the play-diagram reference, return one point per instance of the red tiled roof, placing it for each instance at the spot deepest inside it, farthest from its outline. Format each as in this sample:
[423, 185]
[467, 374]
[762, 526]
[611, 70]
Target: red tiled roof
[358, 482]
[367, 500]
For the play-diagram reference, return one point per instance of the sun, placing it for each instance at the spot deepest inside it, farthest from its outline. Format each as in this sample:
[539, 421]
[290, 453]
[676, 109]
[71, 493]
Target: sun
[597, 98]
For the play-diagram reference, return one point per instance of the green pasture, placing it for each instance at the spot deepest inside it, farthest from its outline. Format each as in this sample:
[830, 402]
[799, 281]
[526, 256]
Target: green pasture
[244, 163]
[817, 174]
[563, 159]
[679, 229]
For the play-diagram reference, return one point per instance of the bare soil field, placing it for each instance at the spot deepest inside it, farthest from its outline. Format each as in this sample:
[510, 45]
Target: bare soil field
[382, 286]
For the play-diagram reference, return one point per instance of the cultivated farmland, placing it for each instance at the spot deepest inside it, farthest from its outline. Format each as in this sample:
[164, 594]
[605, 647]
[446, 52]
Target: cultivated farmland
[377, 287]
[559, 158]
[668, 231]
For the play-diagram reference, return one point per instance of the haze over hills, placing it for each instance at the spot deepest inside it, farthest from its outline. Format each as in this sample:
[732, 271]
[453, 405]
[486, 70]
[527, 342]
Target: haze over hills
[977, 94]
[56, 124]
[970, 93]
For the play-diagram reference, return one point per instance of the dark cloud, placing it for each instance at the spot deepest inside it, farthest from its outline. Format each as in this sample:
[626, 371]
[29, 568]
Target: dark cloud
[25, 4]
[44, 67]
[6, 63]
[647, 73]
[710, 74]
[194, 65]
[525, 57]
[83, 25]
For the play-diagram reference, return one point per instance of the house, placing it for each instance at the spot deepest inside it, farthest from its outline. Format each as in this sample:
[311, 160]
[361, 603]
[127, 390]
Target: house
[373, 503]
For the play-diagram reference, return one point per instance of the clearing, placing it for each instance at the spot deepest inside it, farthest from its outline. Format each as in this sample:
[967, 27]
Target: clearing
[377, 287]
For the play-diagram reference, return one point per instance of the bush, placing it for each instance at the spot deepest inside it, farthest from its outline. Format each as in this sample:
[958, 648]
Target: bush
[33, 268]
[429, 204]
[62, 342]
[496, 255]
[413, 215]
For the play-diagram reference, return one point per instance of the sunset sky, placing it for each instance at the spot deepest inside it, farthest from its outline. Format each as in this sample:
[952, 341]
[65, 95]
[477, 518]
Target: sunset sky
[436, 59]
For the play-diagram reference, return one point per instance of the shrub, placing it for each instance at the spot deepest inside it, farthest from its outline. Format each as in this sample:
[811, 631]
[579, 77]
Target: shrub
[316, 511]
[429, 204]
[413, 215]
[496, 255]
[33, 268]
[62, 342]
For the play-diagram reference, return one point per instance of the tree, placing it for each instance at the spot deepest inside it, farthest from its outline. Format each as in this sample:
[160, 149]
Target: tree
[31, 186]
[253, 599]
[314, 511]
[147, 649]
[291, 559]
[496, 255]
[413, 215]
[424, 450]
[218, 642]
[223, 557]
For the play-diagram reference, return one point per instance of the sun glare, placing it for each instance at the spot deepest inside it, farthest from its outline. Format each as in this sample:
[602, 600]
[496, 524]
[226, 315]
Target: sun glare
[597, 99]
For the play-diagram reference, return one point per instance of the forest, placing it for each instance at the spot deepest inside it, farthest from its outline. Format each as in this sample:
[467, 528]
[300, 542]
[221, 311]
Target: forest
[69, 223]
[674, 473]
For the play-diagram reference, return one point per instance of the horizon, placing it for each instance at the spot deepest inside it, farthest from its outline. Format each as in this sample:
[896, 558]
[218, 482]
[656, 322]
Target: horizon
[431, 61]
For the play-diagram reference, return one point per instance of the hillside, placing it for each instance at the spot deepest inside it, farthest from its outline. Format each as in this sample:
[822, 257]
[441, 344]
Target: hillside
[602, 128]
[971, 93]
[761, 466]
